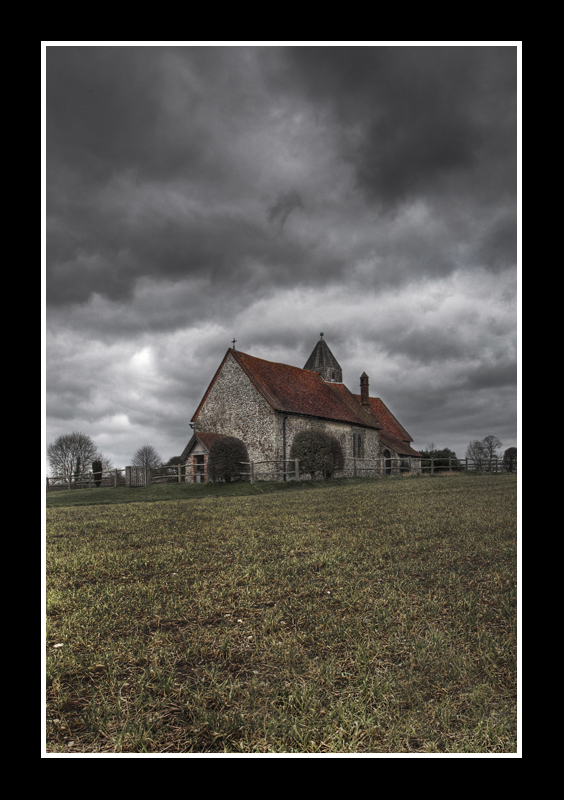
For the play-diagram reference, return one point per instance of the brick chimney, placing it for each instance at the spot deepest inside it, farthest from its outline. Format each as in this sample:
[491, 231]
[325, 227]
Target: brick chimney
[364, 396]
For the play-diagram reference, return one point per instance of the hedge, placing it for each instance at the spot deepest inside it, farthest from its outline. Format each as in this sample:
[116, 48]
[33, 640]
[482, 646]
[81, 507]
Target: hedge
[318, 452]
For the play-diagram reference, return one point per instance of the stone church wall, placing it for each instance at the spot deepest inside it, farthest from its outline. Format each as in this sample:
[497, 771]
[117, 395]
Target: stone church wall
[342, 431]
[234, 407]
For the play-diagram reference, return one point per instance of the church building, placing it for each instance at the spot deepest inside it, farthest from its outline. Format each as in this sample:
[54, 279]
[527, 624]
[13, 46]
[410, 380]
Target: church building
[265, 404]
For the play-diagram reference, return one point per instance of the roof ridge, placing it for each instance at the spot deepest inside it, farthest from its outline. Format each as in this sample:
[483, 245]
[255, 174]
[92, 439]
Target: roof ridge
[324, 402]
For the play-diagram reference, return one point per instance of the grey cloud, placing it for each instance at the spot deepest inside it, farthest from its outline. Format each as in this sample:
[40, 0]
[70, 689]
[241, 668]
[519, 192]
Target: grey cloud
[281, 209]
[410, 121]
[110, 108]
[416, 111]
[422, 123]
[498, 247]
[487, 376]
[187, 184]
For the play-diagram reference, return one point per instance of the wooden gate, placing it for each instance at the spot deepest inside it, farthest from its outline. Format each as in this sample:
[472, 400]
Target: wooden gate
[137, 476]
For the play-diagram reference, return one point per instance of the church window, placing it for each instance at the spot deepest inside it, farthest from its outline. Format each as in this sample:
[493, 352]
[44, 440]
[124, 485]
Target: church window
[357, 445]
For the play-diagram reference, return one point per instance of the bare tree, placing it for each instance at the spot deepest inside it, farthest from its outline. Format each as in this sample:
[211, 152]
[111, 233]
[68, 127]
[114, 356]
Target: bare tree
[107, 463]
[71, 454]
[491, 446]
[482, 452]
[476, 453]
[147, 457]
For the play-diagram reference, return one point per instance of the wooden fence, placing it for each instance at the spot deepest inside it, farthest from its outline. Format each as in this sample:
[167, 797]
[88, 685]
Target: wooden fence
[492, 465]
[130, 477]
[395, 465]
[86, 480]
[290, 469]
[287, 470]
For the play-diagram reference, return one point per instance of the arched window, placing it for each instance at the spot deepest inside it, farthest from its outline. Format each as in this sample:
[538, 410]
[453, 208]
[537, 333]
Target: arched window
[357, 445]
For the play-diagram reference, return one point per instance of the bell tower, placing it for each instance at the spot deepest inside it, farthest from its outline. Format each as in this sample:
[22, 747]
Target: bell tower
[323, 361]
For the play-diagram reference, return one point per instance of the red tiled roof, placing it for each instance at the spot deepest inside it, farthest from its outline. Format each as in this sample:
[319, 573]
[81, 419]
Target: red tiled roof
[298, 391]
[301, 391]
[387, 440]
[208, 439]
[353, 404]
[386, 419]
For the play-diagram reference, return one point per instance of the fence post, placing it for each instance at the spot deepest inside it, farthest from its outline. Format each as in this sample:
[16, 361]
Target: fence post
[252, 471]
[449, 464]
[297, 468]
[179, 481]
[47, 483]
[432, 466]
[354, 466]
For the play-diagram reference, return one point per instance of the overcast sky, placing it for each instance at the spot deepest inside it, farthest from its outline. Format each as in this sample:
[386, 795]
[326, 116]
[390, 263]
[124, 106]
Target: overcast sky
[196, 194]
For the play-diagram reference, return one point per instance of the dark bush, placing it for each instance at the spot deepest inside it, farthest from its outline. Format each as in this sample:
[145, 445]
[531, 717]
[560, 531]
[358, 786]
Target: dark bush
[97, 472]
[441, 459]
[224, 460]
[337, 455]
[510, 459]
[318, 452]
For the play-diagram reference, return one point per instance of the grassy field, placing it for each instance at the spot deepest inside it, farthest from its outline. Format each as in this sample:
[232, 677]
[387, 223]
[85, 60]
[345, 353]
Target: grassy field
[175, 491]
[368, 616]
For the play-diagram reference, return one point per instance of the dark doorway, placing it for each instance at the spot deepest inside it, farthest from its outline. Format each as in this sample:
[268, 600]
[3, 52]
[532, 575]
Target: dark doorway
[200, 471]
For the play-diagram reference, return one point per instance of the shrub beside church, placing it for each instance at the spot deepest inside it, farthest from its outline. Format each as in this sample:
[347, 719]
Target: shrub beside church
[318, 452]
[225, 457]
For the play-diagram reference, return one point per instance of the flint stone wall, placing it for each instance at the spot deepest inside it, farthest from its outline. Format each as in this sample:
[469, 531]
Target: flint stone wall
[236, 408]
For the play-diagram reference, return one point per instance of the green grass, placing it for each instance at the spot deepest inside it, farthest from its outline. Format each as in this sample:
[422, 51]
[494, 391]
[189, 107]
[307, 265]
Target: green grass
[362, 617]
[170, 491]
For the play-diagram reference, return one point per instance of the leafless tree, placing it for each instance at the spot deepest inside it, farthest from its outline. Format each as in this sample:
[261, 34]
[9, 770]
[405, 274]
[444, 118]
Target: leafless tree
[481, 452]
[72, 453]
[107, 462]
[491, 446]
[147, 457]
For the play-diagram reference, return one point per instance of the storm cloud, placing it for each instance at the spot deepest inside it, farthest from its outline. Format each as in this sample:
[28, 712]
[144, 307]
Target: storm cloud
[267, 193]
